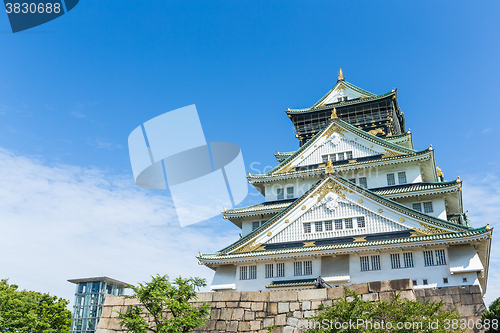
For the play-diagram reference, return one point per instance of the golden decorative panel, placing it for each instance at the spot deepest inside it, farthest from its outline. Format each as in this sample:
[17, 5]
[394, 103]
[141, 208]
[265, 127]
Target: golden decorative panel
[360, 200]
[304, 207]
[309, 244]
[269, 233]
[377, 131]
[331, 186]
[352, 161]
[389, 153]
[401, 220]
[287, 220]
[251, 247]
[334, 128]
[287, 168]
[429, 229]
[359, 239]
[380, 210]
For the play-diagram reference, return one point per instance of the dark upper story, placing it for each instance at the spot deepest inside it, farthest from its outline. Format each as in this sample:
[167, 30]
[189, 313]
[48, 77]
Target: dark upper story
[379, 115]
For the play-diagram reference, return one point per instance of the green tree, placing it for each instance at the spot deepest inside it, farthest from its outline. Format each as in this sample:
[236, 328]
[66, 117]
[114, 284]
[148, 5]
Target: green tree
[23, 311]
[398, 315]
[167, 304]
[493, 315]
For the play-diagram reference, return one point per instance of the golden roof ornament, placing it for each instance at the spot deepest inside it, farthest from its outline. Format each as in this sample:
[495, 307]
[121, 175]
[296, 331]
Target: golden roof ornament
[439, 172]
[329, 166]
[341, 75]
[334, 113]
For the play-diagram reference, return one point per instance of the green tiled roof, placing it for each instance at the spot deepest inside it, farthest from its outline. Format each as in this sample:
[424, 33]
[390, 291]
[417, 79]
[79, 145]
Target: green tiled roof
[419, 187]
[292, 283]
[397, 136]
[354, 129]
[258, 207]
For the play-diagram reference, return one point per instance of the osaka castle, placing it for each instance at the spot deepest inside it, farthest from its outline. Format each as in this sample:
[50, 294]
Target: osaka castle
[356, 202]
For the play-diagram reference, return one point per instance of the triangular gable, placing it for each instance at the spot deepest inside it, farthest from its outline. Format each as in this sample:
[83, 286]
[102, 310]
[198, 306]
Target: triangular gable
[341, 90]
[346, 200]
[339, 137]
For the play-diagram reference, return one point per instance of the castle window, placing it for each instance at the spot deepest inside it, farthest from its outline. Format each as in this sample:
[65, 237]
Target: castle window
[395, 262]
[417, 206]
[425, 282]
[269, 271]
[255, 225]
[440, 257]
[297, 268]
[345, 98]
[362, 182]
[307, 228]
[428, 258]
[464, 279]
[445, 280]
[402, 177]
[365, 263]
[361, 221]
[375, 263]
[428, 207]
[414, 282]
[348, 224]
[338, 225]
[252, 272]
[281, 193]
[289, 192]
[328, 226]
[308, 270]
[390, 179]
[408, 259]
[280, 269]
[348, 155]
[353, 180]
[302, 268]
[339, 99]
[244, 273]
[318, 226]
[340, 156]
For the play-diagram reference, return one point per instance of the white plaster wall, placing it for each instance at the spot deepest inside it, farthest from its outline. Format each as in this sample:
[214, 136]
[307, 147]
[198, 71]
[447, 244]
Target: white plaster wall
[300, 187]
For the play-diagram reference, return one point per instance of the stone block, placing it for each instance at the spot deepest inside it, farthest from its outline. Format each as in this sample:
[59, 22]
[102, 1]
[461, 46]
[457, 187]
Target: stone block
[306, 305]
[349, 298]
[257, 306]
[429, 292]
[204, 297]
[327, 302]
[291, 321]
[283, 296]
[283, 307]
[408, 294]
[232, 304]
[215, 313]
[294, 306]
[298, 314]
[455, 299]
[401, 284]
[466, 299]
[466, 310]
[419, 292]
[131, 301]
[288, 329]
[378, 286]
[114, 324]
[474, 289]
[370, 297]
[360, 288]
[228, 296]
[115, 310]
[245, 305]
[477, 299]
[254, 325]
[308, 314]
[267, 322]
[209, 325]
[272, 308]
[103, 322]
[220, 325]
[255, 296]
[315, 305]
[226, 313]
[220, 305]
[114, 300]
[238, 314]
[260, 314]
[280, 320]
[336, 292]
[311, 294]
[106, 311]
[249, 315]
[386, 295]
[243, 326]
[232, 326]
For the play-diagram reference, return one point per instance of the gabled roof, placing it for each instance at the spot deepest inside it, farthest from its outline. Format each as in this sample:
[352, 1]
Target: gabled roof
[280, 156]
[346, 85]
[431, 225]
[337, 125]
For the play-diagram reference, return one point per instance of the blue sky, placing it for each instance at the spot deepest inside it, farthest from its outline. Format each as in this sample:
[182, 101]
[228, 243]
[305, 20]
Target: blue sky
[73, 89]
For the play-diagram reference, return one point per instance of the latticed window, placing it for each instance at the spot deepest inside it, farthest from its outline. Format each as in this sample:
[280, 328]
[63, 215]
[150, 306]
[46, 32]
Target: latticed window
[280, 269]
[338, 225]
[428, 207]
[289, 192]
[297, 268]
[408, 259]
[348, 224]
[365, 263]
[255, 225]
[375, 263]
[390, 179]
[363, 182]
[440, 257]
[361, 221]
[328, 226]
[325, 158]
[353, 180]
[402, 177]
[428, 258]
[244, 273]
[348, 155]
[318, 226]
[269, 271]
[308, 269]
[252, 272]
[307, 228]
[340, 156]
[417, 206]
[281, 193]
[395, 262]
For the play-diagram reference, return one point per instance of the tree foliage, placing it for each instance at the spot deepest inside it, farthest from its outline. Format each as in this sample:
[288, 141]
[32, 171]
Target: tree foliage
[493, 315]
[398, 315]
[32, 312]
[167, 304]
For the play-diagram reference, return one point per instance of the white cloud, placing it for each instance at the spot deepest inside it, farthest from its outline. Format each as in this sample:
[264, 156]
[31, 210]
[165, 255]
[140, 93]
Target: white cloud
[61, 222]
[481, 195]
[102, 143]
